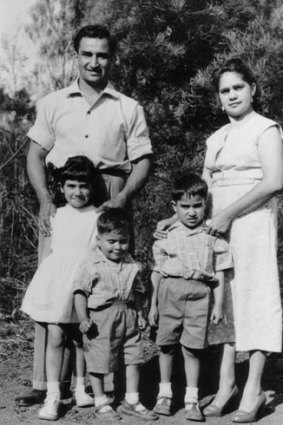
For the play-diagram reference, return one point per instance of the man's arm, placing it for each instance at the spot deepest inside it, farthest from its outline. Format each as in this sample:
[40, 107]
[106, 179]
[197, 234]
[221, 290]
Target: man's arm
[36, 169]
[135, 182]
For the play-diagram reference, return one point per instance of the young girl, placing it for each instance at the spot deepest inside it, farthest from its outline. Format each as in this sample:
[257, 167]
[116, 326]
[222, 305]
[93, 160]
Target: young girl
[49, 297]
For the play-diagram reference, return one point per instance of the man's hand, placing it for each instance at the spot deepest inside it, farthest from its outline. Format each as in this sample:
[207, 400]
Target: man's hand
[85, 326]
[153, 316]
[119, 201]
[47, 209]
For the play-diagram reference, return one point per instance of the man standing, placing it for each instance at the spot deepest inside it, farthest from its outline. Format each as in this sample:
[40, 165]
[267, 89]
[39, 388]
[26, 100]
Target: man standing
[88, 118]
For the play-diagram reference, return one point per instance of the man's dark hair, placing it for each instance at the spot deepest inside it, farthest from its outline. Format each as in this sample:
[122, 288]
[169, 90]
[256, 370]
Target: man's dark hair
[94, 31]
[189, 184]
[116, 219]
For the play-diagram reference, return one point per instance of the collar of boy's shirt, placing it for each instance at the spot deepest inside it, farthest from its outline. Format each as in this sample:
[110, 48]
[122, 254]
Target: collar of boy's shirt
[189, 232]
[74, 90]
[98, 257]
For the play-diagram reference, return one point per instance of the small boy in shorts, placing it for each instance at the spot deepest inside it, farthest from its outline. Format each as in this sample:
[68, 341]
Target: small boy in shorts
[189, 263]
[108, 305]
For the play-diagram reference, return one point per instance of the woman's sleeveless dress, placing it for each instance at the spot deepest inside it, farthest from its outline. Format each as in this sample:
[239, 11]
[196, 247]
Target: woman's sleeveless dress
[233, 163]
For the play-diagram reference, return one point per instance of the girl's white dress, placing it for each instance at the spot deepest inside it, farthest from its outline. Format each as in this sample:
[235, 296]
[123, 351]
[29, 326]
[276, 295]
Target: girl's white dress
[233, 163]
[49, 297]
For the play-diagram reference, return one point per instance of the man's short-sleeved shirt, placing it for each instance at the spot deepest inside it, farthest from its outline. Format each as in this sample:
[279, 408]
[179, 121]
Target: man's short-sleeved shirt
[191, 254]
[112, 132]
[104, 281]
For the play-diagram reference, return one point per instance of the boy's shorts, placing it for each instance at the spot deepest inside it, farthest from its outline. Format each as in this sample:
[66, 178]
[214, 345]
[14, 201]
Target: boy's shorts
[115, 332]
[183, 307]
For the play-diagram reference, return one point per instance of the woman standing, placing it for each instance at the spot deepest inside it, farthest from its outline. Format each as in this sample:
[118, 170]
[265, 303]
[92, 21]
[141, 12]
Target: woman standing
[244, 168]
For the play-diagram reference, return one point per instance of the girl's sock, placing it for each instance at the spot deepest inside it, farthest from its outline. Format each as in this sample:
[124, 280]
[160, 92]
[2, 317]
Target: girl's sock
[53, 389]
[191, 395]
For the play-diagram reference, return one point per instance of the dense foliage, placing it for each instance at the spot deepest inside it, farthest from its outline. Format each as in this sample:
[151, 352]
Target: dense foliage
[167, 50]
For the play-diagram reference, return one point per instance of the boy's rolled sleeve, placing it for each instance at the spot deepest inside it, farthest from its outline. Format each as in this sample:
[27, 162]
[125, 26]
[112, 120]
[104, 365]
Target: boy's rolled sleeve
[83, 281]
[41, 132]
[138, 141]
[223, 256]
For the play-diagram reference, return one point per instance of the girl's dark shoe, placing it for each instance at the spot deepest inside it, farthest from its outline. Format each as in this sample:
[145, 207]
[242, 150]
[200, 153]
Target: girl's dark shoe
[242, 416]
[213, 410]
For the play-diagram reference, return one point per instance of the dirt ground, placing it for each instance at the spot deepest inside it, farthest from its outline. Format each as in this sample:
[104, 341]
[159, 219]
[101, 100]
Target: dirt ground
[16, 352]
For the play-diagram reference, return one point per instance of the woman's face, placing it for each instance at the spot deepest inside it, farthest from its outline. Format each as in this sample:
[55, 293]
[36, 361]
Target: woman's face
[236, 95]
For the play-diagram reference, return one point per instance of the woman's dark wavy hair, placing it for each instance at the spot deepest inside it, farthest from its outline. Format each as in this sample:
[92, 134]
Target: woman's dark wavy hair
[240, 67]
[95, 31]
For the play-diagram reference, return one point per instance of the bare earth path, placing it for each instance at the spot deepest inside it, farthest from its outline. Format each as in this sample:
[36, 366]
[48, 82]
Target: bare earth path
[16, 370]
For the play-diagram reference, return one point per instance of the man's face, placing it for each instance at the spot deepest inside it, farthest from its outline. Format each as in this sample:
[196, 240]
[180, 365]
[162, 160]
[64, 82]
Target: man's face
[114, 245]
[190, 210]
[94, 61]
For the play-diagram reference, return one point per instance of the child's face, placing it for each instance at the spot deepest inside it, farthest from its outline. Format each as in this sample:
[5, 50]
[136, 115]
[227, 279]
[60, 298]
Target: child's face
[78, 194]
[190, 210]
[114, 245]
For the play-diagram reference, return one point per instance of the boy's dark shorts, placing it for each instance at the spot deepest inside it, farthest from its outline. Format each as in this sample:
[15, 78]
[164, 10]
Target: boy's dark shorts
[115, 332]
[183, 312]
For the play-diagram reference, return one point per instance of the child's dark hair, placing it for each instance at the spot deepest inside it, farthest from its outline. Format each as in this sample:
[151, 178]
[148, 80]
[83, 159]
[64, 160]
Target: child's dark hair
[189, 184]
[116, 219]
[78, 168]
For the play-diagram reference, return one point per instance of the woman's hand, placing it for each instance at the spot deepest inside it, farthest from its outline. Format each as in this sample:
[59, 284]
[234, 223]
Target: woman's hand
[161, 228]
[219, 224]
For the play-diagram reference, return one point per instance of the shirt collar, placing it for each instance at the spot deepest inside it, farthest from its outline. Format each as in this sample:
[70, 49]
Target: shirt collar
[74, 89]
[189, 232]
[99, 257]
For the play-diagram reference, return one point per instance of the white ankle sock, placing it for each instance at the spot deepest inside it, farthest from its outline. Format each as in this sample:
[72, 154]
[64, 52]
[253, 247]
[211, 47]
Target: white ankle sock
[101, 400]
[191, 395]
[165, 389]
[53, 388]
[79, 384]
[132, 398]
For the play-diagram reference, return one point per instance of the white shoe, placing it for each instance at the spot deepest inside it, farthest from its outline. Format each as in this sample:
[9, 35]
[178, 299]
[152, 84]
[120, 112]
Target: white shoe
[50, 410]
[83, 399]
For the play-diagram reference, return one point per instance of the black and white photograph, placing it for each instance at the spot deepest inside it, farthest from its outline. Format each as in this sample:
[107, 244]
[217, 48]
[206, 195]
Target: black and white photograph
[141, 212]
